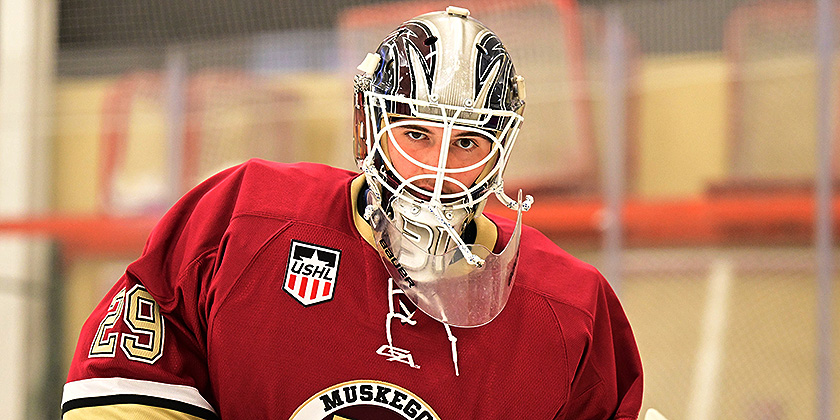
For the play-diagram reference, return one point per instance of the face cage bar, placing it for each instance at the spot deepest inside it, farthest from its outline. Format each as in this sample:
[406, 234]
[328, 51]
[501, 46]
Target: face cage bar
[377, 108]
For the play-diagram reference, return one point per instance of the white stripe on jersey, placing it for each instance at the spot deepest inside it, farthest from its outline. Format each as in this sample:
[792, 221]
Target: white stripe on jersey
[102, 387]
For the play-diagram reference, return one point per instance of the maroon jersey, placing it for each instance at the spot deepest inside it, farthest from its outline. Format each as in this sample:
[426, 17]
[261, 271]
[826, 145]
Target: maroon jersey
[257, 297]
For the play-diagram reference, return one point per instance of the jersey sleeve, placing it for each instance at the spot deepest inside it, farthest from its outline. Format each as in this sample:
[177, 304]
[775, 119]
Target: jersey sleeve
[142, 352]
[608, 379]
[132, 361]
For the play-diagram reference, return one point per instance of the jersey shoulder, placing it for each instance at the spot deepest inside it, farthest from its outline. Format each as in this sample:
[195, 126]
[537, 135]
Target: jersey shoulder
[297, 190]
[239, 208]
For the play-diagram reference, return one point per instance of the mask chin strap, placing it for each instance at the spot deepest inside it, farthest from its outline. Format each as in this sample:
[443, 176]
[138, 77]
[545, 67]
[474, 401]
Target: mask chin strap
[510, 203]
[468, 255]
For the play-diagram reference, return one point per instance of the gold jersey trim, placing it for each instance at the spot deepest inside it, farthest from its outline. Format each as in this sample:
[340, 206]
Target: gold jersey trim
[104, 392]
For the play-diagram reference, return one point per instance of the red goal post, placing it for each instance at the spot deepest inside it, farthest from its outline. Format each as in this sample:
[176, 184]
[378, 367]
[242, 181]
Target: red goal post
[228, 116]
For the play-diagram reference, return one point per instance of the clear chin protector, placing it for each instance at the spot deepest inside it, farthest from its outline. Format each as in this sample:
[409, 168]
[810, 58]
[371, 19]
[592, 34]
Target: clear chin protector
[447, 286]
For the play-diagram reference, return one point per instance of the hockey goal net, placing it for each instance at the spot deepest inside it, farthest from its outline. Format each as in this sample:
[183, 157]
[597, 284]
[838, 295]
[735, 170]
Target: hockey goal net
[771, 50]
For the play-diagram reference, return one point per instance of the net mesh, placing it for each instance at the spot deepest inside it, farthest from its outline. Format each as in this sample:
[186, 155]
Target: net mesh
[736, 343]
[771, 52]
[219, 87]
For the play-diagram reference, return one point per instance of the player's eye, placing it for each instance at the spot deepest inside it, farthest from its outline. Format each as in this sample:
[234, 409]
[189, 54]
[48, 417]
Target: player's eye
[415, 135]
[465, 143]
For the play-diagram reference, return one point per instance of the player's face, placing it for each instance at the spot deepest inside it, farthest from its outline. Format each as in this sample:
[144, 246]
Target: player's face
[423, 143]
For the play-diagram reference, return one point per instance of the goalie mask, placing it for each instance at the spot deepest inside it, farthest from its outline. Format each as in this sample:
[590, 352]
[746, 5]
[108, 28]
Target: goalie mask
[438, 109]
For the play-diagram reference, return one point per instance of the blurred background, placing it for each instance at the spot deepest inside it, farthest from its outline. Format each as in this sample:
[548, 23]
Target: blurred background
[686, 148]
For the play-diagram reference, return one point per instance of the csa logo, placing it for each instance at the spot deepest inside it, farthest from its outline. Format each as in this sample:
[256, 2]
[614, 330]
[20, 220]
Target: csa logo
[311, 272]
[364, 400]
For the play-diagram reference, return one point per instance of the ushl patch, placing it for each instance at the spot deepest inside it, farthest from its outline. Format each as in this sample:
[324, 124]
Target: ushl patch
[311, 272]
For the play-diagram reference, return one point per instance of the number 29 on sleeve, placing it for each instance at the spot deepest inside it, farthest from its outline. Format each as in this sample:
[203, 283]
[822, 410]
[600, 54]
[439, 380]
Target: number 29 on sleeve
[143, 340]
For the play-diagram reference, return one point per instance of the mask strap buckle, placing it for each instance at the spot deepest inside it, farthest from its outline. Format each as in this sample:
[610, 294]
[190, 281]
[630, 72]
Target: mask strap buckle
[471, 258]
